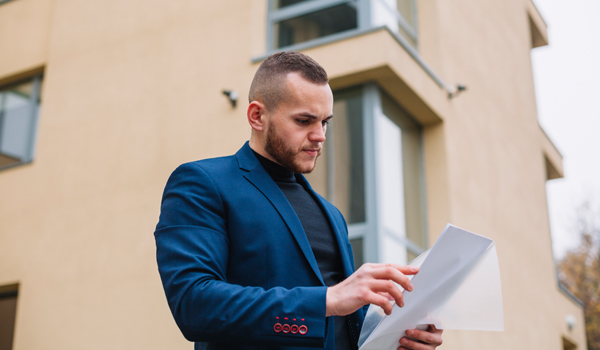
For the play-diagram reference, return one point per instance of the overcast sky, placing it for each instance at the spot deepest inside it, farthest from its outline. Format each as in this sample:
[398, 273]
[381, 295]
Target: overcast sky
[567, 81]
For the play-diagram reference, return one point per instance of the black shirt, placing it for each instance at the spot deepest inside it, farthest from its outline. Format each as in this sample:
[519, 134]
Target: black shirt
[318, 231]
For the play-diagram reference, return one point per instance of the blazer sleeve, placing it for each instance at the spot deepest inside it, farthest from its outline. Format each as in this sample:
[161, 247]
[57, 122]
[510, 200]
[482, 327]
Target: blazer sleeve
[192, 255]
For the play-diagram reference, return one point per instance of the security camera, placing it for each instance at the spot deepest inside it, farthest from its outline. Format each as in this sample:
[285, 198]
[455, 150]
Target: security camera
[232, 95]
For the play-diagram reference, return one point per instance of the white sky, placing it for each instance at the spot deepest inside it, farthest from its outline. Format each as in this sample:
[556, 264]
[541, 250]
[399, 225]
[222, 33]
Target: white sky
[567, 82]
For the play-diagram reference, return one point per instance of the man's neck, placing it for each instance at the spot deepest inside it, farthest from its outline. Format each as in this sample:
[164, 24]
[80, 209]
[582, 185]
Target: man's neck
[277, 172]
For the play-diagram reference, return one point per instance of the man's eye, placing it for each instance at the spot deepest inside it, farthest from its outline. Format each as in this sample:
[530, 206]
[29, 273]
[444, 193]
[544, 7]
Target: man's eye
[325, 122]
[303, 121]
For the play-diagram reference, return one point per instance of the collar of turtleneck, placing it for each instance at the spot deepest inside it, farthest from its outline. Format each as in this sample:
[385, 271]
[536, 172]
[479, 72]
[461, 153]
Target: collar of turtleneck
[277, 172]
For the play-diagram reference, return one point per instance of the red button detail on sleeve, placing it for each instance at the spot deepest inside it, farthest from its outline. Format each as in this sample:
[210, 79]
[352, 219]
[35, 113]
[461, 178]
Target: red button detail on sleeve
[302, 329]
[277, 327]
[286, 328]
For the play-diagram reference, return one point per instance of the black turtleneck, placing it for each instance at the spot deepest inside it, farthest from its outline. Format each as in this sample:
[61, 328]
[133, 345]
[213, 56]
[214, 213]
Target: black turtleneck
[318, 231]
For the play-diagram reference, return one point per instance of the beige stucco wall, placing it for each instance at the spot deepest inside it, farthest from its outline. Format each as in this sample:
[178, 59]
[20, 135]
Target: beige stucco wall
[25, 28]
[133, 88]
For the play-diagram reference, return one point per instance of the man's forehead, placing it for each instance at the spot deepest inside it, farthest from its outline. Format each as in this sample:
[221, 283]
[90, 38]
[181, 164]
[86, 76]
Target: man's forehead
[296, 84]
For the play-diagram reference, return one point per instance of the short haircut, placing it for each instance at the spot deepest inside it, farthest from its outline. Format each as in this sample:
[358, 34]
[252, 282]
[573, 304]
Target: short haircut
[268, 85]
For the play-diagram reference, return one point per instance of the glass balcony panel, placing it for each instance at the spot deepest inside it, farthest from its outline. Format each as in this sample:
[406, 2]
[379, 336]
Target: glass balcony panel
[408, 11]
[277, 4]
[386, 12]
[315, 25]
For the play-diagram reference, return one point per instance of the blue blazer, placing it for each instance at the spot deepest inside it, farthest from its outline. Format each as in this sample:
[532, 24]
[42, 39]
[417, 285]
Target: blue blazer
[235, 263]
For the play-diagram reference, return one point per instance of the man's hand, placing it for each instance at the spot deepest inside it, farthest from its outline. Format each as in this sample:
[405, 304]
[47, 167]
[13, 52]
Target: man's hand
[421, 340]
[370, 284]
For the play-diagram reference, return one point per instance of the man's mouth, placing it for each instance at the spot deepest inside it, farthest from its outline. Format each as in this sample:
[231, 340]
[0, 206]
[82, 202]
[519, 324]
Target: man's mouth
[312, 151]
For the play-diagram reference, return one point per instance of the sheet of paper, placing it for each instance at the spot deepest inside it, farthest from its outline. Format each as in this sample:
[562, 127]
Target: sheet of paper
[457, 287]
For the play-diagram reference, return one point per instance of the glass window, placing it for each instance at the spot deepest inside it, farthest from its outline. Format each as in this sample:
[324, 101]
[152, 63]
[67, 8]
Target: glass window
[401, 156]
[315, 25]
[398, 15]
[19, 105]
[339, 174]
[277, 4]
[357, 250]
[387, 137]
[408, 11]
[8, 311]
[294, 22]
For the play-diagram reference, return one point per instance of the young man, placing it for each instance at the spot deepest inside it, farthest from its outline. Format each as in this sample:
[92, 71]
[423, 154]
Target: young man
[249, 255]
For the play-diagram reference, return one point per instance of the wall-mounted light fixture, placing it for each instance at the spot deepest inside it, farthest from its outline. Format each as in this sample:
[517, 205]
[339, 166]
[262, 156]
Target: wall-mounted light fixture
[456, 90]
[232, 95]
[571, 321]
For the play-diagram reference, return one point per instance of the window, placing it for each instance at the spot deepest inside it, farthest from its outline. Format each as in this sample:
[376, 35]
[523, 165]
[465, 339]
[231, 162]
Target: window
[568, 345]
[19, 106]
[8, 311]
[400, 178]
[371, 170]
[340, 173]
[293, 22]
[399, 15]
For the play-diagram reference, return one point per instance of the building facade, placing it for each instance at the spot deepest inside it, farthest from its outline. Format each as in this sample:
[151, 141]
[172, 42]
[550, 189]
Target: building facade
[435, 122]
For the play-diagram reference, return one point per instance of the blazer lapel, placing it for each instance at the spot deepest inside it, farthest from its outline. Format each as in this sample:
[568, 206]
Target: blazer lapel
[259, 177]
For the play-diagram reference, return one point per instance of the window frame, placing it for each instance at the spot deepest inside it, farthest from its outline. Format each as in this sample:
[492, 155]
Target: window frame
[402, 22]
[9, 292]
[364, 20]
[371, 230]
[34, 106]
[303, 8]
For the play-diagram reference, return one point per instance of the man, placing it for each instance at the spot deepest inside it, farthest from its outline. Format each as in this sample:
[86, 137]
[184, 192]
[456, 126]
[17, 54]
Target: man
[249, 255]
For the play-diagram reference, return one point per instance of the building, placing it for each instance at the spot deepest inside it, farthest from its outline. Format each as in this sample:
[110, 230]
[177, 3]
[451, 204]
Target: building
[101, 99]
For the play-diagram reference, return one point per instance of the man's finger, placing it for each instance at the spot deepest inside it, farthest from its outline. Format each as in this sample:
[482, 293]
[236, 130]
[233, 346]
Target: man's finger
[389, 287]
[382, 302]
[387, 295]
[433, 329]
[431, 336]
[391, 273]
[405, 269]
[414, 345]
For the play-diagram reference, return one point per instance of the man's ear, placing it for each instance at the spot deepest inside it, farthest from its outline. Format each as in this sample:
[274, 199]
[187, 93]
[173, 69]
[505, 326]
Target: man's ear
[256, 115]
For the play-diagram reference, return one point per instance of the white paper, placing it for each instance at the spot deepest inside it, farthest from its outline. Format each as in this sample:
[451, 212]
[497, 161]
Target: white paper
[457, 287]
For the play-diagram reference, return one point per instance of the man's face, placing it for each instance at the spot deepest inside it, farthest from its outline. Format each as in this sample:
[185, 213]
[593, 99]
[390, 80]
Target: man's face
[296, 129]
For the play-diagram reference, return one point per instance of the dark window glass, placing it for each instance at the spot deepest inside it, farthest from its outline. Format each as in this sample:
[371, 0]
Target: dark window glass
[349, 177]
[8, 312]
[277, 4]
[315, 25]
[340, 172]
[357, 250]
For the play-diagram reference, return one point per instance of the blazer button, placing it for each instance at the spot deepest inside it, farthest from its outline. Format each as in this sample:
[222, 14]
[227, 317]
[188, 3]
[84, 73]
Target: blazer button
[286, 328]
[277, 327]
[294, 329]
[302, 329]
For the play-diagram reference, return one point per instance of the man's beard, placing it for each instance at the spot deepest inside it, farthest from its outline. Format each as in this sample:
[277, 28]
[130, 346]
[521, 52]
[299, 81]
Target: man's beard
[277, 147]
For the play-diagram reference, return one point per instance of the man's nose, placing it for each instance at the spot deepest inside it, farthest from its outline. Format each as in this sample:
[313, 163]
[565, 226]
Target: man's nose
[317, 134]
